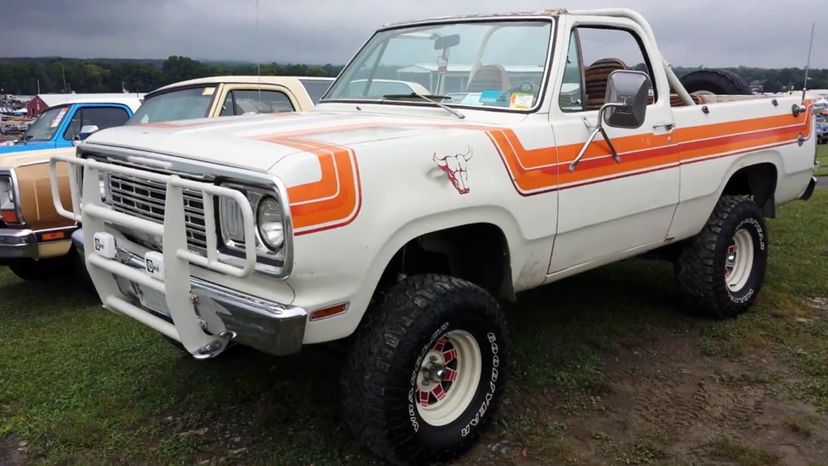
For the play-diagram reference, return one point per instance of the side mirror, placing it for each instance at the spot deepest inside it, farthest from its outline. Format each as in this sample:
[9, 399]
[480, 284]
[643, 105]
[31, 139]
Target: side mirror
[631, 89]
[625, 106]
[85, 132]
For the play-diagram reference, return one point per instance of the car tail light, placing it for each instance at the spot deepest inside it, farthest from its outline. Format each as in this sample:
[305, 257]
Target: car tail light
[9, 210]
[10, 216]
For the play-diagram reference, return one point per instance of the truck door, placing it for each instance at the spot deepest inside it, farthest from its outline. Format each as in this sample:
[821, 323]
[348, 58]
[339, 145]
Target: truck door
[610, 209]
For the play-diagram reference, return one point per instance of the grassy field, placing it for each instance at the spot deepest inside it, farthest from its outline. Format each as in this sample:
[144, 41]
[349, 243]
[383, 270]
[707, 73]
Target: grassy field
[822, 157]
[619, 376]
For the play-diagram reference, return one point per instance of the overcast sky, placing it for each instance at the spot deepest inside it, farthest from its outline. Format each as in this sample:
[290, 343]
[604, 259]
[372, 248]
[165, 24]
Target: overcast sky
[769, 33]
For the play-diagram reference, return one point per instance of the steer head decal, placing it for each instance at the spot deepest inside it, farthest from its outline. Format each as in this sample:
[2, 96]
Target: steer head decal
[456, 168]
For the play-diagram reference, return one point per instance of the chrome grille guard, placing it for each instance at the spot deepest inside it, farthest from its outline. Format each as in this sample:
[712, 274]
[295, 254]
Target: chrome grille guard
[94, 214]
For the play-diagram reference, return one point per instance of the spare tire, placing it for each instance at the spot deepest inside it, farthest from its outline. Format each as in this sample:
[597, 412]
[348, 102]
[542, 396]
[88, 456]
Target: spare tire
[720, 82]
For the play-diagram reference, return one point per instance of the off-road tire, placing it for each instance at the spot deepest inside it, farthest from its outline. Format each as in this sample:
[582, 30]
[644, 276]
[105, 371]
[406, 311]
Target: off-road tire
[700, 267]
[379, 381]
[719, 82]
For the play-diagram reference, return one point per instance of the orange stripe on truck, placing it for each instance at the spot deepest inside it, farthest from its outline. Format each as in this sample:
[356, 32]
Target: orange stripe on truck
[332, 201]
[335, 199]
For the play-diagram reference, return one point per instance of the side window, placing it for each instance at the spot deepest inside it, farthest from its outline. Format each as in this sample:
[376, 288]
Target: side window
[102, 117]
[227, 107]
[74, 126]
[316, 88]
[572, 91]
[242, 102]
[602, 51]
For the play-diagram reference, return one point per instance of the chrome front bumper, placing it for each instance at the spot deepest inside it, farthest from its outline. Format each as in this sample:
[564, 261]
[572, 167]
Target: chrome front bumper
[18, 244]
[262, 324]
[203, 316]
[259, 323]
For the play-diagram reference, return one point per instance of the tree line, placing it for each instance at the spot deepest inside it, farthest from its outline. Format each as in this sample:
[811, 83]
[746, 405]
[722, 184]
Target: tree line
[54, 75]
[57, 75]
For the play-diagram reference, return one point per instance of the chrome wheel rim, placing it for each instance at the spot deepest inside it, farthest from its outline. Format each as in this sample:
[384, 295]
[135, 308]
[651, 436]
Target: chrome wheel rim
[739, 260]
[448, 377]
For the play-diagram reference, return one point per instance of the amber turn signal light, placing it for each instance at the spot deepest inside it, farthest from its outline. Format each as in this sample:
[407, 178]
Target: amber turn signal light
[329, 311]
[52, 235]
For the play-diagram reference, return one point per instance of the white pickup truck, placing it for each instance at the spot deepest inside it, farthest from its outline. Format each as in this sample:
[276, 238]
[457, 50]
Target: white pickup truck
[547, 144]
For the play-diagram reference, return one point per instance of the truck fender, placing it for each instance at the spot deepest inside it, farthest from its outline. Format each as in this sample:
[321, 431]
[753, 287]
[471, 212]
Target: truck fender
[415, 228]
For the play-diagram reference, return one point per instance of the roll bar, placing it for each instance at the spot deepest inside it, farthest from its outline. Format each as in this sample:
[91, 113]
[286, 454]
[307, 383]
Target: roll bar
[675, 84]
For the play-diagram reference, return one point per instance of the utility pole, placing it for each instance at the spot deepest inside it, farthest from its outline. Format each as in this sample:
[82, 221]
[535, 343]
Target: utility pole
[63, 73]
[38, 86]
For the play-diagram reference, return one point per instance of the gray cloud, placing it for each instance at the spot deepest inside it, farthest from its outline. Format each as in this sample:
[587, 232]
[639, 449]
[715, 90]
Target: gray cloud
[708, 32]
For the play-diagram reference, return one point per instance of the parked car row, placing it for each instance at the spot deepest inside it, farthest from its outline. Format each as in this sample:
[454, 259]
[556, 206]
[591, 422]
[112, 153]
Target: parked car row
[454, 161]
[14, 125]
[822, 129]
[35, 242]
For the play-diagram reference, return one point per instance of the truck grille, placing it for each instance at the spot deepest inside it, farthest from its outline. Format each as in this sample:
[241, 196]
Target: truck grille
[145, 199]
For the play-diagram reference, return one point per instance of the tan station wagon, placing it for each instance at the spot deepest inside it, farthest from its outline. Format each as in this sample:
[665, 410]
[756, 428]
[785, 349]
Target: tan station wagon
[35, 242]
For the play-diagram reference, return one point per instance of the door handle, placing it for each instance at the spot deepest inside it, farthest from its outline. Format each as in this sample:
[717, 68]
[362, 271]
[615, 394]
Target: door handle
[663, 128]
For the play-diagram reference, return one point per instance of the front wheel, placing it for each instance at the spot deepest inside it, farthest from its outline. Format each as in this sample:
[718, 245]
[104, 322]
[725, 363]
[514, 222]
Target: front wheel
[426, 370]
[721, 270]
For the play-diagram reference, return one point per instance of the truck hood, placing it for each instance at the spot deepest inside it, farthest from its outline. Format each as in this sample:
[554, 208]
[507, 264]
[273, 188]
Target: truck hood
[251, 142]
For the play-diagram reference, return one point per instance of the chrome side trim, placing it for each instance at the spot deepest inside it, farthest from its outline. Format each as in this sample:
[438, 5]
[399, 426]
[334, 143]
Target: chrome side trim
[18, 244]
[16, 233]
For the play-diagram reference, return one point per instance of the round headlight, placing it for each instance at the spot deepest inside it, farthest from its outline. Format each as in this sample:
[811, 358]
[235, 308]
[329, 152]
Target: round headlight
[269, 219]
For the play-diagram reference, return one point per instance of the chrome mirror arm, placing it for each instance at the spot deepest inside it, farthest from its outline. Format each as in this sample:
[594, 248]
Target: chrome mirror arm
[599, 128]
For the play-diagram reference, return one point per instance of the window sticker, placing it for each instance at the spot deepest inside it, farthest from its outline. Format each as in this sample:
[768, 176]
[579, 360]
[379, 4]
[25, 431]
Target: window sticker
[521, 101]
[489, 97]
[208, 91]
[56, 121]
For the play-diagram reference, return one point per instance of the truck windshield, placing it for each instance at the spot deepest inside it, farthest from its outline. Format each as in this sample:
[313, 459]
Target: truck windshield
[44, 128]
[182, 104]
[496, 64]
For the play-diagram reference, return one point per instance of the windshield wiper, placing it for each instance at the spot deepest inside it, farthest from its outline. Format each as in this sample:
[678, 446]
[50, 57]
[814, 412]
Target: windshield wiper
[432, 98]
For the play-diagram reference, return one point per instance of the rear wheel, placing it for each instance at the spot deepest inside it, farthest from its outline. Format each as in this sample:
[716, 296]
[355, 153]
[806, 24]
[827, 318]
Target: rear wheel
[425, 371]
[721, 270]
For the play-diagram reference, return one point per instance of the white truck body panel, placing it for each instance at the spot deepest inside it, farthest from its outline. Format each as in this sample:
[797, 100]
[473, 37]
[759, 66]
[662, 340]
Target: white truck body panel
[363, 180]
